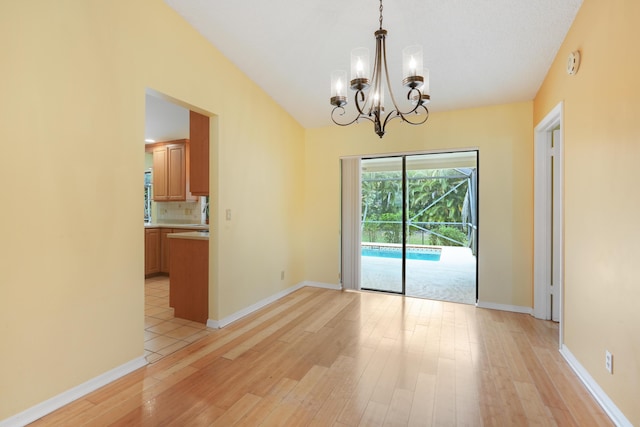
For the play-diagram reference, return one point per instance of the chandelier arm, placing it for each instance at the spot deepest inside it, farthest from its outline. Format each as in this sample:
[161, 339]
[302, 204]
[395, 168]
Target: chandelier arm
[360, 109]
[386, 73]
[342, 114]
[367, 118]
[375, 78]
[426, 116]
[390, 117]
[418, 96]
[417, 92]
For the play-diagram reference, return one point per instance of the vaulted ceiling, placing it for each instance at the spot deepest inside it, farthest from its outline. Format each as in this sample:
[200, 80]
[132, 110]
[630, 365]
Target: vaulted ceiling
[479, 52]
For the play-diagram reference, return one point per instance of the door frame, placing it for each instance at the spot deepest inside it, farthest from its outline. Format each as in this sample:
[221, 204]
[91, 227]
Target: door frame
[543, 134]
[404, 156]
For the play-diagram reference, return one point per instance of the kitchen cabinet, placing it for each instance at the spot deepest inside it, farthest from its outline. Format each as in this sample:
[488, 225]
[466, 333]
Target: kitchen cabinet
[157, 248]
[151, 251]
[164, 249]
[198, 154]
[189, 288]
[164, 246]
[169, 173]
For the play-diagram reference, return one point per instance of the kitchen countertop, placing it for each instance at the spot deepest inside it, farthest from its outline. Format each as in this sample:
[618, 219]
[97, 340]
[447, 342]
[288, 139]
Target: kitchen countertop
[193, 235]
[170, 225]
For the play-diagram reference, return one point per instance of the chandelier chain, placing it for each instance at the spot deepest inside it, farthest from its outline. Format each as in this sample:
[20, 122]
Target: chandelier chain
[380, 14]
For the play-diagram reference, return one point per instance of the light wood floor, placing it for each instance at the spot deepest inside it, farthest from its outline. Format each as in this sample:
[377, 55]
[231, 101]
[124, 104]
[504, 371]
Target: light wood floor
[329, 358]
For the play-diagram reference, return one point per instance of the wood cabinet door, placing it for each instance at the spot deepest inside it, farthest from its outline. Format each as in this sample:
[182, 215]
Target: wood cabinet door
[160, 164]
[176, 181]
[198, 154]
[189, 290]
[151, 251]
[164, 249]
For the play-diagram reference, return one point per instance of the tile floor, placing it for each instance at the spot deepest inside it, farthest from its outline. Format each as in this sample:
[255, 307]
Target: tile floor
[163, 333]
[452, 278]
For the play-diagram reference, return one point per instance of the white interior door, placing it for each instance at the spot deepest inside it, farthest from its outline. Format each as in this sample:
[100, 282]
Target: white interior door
[556, 225]
[548, 218]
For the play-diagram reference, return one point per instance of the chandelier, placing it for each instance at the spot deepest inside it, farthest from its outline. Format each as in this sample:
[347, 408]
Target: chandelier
[369, 93]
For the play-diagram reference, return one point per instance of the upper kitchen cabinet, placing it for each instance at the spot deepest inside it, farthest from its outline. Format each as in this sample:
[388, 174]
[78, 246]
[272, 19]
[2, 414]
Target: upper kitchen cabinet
[199, 154]
[169, 172]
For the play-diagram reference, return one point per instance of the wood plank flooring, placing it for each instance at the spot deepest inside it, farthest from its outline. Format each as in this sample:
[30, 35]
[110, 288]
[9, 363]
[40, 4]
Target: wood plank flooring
[328, 358]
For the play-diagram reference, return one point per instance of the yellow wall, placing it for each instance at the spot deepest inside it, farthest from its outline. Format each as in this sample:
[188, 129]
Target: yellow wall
[73, 85]
[602, 150]
[503, 135]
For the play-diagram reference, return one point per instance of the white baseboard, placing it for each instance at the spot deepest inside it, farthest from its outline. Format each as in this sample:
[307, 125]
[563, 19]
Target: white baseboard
[323, 285]
[41, 409]
[601, 397]
[254, 307]
[504, 307]
[214, 324]
[217, 324]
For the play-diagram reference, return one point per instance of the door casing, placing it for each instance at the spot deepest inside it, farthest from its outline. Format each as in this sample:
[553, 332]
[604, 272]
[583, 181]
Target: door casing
[548, 215]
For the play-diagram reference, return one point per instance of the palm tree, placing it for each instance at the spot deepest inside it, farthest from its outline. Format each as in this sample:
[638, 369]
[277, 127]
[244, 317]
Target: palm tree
[434, 197]
[382, 204]
[437, 196]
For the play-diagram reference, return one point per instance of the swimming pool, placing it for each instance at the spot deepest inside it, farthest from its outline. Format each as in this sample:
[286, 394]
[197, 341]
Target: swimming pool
[424, 254]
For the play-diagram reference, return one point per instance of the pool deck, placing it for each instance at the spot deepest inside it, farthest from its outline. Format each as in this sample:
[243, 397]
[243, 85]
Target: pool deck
[453, 278]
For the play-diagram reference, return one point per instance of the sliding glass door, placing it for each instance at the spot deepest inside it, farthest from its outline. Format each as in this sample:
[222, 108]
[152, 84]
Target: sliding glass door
[419, 225]
[382, 227]
[441, 226]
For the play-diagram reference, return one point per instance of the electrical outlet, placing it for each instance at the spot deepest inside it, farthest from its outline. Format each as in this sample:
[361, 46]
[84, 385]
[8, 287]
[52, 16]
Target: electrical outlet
[228, 214]
[282, 275]
[608, 361]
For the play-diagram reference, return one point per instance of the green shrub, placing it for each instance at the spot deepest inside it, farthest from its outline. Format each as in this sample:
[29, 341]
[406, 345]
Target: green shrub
[392, 229]
[450, 232]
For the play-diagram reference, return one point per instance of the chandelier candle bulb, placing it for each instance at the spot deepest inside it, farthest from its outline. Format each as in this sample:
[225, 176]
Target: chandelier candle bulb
[378, 101]
[338, 88]
[411, 63]
[359, 68]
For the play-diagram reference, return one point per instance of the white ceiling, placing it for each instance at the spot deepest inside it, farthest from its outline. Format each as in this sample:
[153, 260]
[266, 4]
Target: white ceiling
[164, 120]
[479, 52]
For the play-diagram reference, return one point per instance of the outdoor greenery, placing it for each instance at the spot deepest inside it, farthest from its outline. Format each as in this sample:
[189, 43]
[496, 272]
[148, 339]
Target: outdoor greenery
[436, 200]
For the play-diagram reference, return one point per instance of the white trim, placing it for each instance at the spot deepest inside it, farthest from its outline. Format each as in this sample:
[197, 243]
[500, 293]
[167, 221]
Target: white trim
[41, 409]
[322, 285]
[596, 391]
[254, 307]
[217, 324]
[542, 209]
[504, 307]
[410, 153]
[213, 324]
